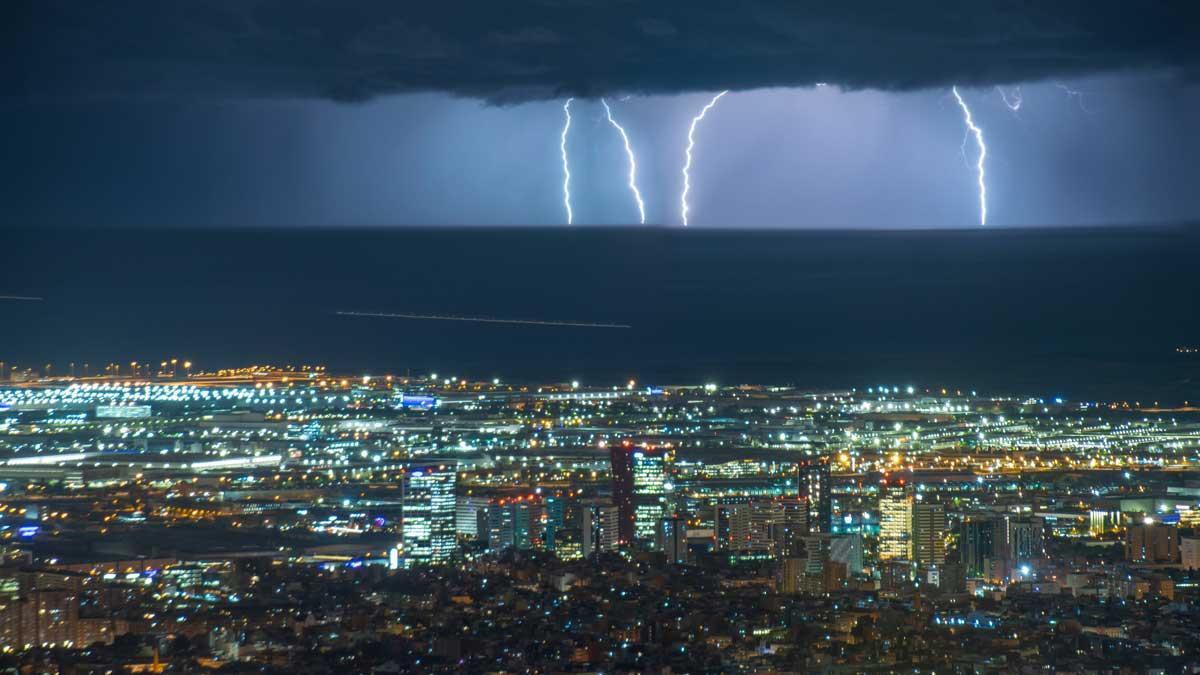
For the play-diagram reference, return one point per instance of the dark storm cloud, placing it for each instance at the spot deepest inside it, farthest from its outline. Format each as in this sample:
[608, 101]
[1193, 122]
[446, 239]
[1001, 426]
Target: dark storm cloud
[518, 49]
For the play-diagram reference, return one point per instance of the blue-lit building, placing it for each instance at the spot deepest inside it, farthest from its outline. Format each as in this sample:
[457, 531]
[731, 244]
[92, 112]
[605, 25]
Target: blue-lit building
[428, 515]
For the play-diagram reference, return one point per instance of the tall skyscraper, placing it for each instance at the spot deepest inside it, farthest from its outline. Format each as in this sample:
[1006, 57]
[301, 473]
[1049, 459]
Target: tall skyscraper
[428, 515]
[556, 519]
[928, 533]
[467, 519]
[977, 544]
[641, 489]
[621, 457]
[600, 527]
[895, 520]
[672, 540]
[731, 526]
[651, 488]
[498, 526]
[814, 485]
[791, 528]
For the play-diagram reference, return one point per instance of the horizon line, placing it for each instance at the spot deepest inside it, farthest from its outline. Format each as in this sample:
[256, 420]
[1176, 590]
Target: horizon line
[480, 319]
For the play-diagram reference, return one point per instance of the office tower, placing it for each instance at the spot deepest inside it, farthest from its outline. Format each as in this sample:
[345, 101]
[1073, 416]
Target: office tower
[428, 515]
[1102, 521]
[977, 544]
[791, 575]
[556, 512]
[813, 482]
[466, 520]
[600, 525]
[1152, 543]
[621, 457]
[673, 541]
[1025, 539]
[568, 543]
[641, 490]
[848, 550]
[651, 491]
[731, 526]
[514, 523]
[762, 515]
[791, 527]
[556, 519]
[529, 524]
[895, 521]
[928, 533]
[822, 572]
[817, 551]
[497, 526]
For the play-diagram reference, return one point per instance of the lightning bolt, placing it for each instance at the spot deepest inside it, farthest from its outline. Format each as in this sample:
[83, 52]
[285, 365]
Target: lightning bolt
[687, 164]
[562, 146]
[970, 122]
[1075, 94]
[637, 195]
[1011, 100]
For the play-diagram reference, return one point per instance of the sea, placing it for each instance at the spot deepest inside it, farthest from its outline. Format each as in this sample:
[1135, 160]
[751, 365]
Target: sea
[1080, 313]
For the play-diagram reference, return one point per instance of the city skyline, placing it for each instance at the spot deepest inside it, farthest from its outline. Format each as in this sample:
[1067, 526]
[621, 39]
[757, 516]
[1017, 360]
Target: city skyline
[561, 336]
[191, 519]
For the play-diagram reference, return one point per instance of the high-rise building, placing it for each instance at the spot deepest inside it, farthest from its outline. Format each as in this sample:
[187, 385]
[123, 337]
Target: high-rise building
[814, 486]
[1153, 543]
[1025, 540]
[39, 609]
[529, 525]
[556, 519]
[514, 523]
[467, 518]
[977, 544]
[497, 526]
[817, 551]
[928, 533]
[791, 528]
[651, 491]
[791, 575]
[568, 543]
[641, 488]
[996, 546]
[621, 457]
[600, 527]
[763, 515]
[848, 550]
[895, 521]
[1102, 521]
[731, 526]
[673, 540]
[428, 515]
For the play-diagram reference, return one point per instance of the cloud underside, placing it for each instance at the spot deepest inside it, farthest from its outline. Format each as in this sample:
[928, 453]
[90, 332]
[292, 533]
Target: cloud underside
[512, 50]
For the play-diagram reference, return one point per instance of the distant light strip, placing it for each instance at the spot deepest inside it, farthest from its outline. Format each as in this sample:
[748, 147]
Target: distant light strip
[479, 319]
[29, 298]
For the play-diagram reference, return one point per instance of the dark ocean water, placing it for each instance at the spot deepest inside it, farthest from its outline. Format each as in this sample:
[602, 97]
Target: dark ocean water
[1080, 313]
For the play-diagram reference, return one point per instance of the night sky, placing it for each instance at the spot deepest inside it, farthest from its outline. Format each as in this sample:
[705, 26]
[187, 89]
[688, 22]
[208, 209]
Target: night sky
[267, 113]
